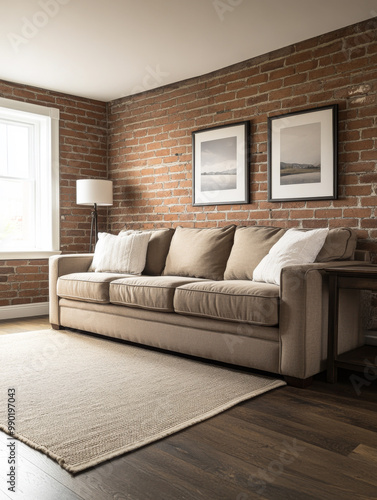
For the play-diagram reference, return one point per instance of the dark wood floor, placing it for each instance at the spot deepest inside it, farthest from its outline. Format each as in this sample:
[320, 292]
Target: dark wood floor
[314, 443]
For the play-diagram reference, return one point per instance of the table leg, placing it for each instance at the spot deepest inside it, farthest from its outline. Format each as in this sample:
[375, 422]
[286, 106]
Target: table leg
[332, 350]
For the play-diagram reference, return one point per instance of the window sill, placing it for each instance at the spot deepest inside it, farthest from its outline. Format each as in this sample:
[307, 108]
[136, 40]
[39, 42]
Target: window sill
[30, 255]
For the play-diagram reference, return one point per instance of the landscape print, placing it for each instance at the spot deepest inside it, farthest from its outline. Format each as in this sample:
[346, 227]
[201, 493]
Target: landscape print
[300, 154]
[219, 164]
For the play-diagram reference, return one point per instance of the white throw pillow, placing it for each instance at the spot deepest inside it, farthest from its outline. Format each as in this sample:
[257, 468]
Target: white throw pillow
[126, 254]
[294, 247]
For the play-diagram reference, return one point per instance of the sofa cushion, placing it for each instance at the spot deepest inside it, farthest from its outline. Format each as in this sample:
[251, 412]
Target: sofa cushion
[147, 292]
[126, 254]
[158, 247]
[340, 244]
[251, 244]
[89, 287]
[240, 301]
[199, 253]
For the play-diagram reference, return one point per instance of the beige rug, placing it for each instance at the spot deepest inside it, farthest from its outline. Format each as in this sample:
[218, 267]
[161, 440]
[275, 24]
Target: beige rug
[82, 400]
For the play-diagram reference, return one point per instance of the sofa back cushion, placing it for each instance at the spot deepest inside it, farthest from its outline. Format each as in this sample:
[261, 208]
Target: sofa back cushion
[158, 247]
[199, 253]
[251, 244]
[340, 244]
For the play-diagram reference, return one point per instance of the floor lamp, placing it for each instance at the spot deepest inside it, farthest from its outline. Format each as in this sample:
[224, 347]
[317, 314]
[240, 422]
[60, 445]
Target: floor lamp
[94, 192]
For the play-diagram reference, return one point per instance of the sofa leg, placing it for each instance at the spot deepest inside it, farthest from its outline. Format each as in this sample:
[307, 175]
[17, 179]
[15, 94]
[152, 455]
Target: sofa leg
[55, 327]
[301, 383]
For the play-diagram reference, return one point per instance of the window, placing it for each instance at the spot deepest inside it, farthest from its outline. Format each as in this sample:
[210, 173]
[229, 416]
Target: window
[29, 180]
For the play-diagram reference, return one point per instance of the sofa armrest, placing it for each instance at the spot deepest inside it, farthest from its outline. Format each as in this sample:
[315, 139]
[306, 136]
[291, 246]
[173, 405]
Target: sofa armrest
[59, 265]
[303, 318]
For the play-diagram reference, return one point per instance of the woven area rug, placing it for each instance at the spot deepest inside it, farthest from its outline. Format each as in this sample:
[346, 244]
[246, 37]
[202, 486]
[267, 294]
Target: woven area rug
[82, 400]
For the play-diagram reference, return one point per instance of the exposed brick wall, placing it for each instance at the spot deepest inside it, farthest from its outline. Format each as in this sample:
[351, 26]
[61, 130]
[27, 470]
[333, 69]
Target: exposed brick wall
[23, 281]
[83, 153]
[150, 149]
[149, 137]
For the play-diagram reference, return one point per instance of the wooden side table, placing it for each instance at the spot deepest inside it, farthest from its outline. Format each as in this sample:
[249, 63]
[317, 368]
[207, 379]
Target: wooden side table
[356, 278]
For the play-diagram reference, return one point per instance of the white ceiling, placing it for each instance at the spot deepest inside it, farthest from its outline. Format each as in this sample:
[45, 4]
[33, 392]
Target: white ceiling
[106, 49]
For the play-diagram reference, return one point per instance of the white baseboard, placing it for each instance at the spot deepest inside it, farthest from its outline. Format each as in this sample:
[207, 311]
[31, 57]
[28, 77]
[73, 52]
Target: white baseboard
[24, 310]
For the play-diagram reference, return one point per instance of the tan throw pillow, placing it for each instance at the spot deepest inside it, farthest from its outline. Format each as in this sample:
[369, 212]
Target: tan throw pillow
[158, 247]
[251, 244]
[340, 244]
[199, 253]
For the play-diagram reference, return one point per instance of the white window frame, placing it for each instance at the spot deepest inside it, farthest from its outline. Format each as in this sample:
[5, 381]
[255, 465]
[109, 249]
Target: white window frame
[48, 123]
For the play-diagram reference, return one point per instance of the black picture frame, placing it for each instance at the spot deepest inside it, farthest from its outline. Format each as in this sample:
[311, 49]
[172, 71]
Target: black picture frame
[302, 155]
[220, 163]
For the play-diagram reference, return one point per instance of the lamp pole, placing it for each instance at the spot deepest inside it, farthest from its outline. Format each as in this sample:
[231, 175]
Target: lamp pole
[93, 228]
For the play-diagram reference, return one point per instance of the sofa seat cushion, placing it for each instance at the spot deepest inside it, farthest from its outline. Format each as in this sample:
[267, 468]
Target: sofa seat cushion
[89, 286]
[241, 301]
[147, 292]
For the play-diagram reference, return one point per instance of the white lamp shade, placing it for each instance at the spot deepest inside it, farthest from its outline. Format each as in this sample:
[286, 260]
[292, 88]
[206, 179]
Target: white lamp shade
[91, 191]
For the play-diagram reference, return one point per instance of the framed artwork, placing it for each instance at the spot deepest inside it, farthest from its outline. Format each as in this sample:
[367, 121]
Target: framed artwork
[221, 165]
[302, 155]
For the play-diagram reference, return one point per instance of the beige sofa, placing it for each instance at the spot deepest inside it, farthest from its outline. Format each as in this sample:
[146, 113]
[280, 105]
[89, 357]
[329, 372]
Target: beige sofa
[196, 296]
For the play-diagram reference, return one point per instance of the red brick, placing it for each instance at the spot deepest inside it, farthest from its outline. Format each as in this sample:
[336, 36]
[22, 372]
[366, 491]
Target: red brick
[343, 222]
[369, 223]
[328, 213]
[314, 223]
[359, 124]
[370, 201]
[6, 270]
[361, 190]
[368, 155]
[301, 214]
[356, 212]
